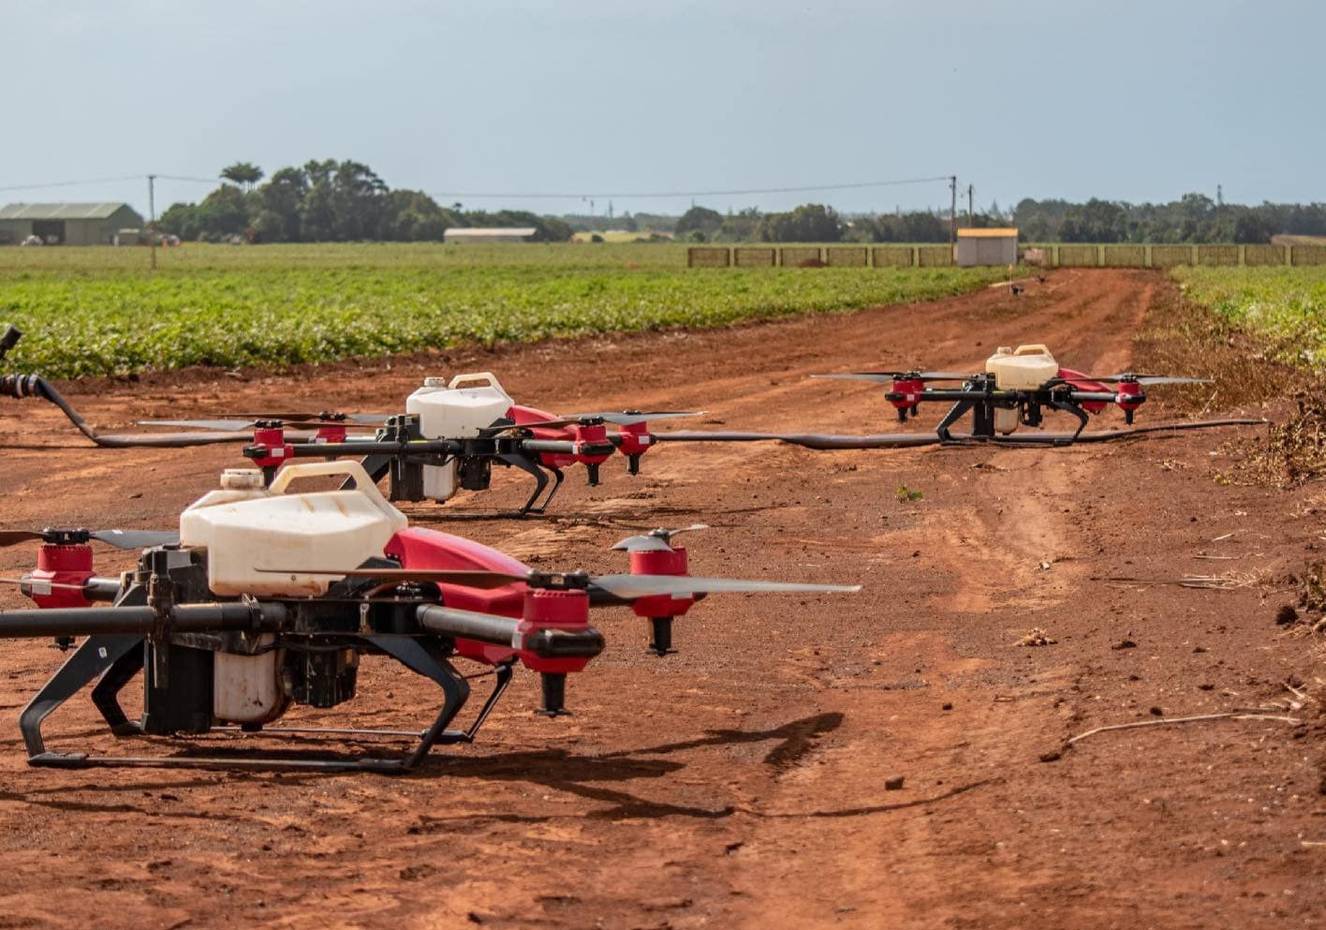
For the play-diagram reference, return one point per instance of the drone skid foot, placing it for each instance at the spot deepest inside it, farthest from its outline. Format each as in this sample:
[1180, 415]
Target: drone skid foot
[257, 763]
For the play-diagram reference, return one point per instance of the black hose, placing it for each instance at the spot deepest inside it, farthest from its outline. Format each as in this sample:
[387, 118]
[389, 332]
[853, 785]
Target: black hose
[828, 441]
[21, 386]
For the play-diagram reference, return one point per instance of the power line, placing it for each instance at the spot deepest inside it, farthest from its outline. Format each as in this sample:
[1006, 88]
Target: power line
[116, 180]
[182, 177]
[32, 187]
[677, 194]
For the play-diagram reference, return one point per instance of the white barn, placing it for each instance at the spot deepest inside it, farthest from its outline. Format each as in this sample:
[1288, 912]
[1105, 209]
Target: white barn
[489, 234]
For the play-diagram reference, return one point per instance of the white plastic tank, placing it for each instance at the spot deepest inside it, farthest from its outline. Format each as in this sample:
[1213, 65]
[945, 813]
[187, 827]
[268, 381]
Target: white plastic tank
[455, 411]
[1023, 369]
[291, 531]
[248, 688]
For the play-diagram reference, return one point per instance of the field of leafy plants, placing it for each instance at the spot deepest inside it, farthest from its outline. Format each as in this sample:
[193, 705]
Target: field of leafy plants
[100, 311]
[1288, 305]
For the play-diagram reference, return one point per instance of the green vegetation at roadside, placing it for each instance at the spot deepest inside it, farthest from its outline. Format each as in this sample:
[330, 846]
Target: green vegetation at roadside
[99, 311]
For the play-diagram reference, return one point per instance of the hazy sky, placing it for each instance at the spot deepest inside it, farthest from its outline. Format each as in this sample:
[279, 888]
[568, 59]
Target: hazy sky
[1125, 99]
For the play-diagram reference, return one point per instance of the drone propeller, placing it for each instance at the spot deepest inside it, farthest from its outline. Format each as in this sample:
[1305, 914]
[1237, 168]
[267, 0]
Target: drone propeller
[326, 416]
[659, 540]
[882, 377]
[621, 418]
[625, 587]
[1144, 379]
[239, 426]
[120, 539]
[632, 417]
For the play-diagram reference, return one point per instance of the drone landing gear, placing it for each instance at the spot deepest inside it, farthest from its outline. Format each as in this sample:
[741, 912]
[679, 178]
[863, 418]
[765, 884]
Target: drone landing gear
[525, 464]
[96, 656]
[116, 659]
[955, 413]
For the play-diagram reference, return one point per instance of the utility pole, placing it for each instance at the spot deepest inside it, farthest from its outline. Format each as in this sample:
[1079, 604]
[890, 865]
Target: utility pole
[152, 221]
[970, 212]
[952, 210]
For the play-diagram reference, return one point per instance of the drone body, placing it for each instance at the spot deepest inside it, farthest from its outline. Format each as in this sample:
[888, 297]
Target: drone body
[1015, 388]
[270, 598]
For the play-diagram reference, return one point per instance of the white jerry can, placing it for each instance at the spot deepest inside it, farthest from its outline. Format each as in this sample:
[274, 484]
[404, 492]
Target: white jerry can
[1025, 369]
[450, 411]
[295, 532]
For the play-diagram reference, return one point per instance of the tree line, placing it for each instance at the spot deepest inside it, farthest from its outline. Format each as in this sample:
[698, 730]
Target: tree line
[341, 201]
[813, 222]
[1193, 218]
[330, 201]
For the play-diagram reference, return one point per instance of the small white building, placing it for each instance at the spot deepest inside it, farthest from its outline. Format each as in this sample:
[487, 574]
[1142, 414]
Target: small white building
[993, 246]
[489, 234]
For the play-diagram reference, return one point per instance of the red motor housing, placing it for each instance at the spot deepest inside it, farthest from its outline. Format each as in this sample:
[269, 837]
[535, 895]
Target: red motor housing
[661, 562]
[596, 433]
[330, 434]
[61, 565]
[556, 610]
[635, 439]
[909, 392]
[276, 451]
[1130, 396]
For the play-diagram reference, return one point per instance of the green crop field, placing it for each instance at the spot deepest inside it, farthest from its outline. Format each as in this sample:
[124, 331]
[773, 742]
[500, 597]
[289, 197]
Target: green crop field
[97, 311]
[1286, 304]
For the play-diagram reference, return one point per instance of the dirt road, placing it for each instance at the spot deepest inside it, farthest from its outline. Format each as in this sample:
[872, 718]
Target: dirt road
[742, 782]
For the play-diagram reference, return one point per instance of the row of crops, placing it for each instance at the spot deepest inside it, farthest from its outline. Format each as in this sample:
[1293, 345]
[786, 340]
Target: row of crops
[99, 311]
[1286, 304]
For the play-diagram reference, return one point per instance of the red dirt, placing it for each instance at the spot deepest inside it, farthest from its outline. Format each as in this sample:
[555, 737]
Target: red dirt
[742, 782]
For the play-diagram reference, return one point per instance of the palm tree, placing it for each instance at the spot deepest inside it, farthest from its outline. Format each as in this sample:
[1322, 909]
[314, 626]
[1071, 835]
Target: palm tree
[246, 174]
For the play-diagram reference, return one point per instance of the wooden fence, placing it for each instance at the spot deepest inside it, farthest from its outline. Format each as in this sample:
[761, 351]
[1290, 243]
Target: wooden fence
[1063, 255]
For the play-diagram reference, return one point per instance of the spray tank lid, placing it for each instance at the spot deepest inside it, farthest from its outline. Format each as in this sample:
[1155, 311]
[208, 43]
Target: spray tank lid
[434, 382]
[241, 479]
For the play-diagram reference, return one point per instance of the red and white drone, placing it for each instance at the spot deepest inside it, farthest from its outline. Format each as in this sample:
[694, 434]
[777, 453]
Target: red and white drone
[267, 598]
[1014, 390]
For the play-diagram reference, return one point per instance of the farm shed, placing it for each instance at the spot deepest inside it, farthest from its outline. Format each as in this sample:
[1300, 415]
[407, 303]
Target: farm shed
[489, 234]
[66, 223]
[994, 246]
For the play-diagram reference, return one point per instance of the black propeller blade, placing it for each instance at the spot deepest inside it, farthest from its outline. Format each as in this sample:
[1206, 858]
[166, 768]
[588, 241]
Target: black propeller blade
[1146, 379]
[882, 377]
[623, 418]
[120, 539]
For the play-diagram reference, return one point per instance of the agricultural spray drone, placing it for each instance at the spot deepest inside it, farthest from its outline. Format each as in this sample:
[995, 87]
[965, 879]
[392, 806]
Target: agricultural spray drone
[268, 598]
[449, 438]
[1015, 389]
[452, 433]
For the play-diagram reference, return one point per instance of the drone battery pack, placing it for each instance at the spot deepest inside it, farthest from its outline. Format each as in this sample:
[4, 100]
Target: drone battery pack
[177, 689]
